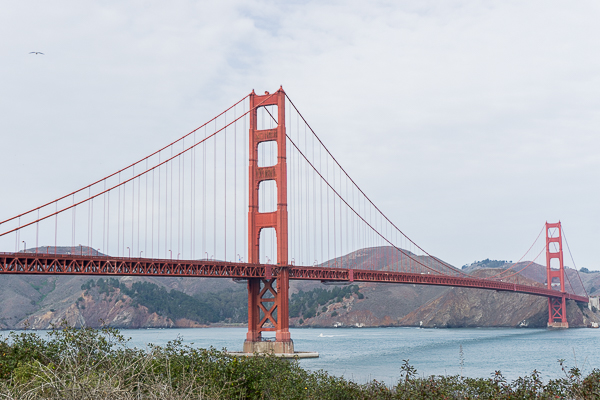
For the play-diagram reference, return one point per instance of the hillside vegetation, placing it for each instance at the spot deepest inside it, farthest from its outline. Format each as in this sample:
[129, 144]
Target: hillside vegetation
[307, 304]
[224, 305]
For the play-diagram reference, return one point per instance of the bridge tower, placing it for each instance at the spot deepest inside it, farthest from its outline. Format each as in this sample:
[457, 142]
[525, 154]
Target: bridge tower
[557, 308]
[268, 297]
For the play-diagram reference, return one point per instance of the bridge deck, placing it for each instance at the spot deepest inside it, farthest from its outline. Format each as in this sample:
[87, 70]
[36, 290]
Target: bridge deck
[32, 263]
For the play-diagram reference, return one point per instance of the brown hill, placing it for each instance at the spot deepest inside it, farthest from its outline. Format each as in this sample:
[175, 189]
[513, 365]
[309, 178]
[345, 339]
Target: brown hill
[39, 301]
[434, 306]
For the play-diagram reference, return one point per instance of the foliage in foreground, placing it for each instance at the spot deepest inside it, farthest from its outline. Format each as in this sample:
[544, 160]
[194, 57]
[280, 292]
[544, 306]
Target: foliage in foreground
[97, 364]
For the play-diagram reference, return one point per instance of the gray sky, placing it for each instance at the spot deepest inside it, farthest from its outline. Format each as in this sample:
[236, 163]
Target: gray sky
[469, 123]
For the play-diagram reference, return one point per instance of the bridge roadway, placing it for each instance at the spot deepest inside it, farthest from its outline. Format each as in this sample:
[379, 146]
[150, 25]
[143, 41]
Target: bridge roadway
[37, 263]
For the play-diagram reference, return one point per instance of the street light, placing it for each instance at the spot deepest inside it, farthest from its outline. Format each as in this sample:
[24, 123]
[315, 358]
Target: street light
[141, 253]
[171, 253]
[178, 255]
[24, 246]
[129, 252]
[206, 252]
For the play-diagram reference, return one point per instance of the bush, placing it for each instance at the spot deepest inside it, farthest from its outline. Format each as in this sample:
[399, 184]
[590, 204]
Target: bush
[97, 364]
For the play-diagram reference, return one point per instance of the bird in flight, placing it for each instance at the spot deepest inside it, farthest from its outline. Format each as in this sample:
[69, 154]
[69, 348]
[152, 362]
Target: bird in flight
[36, 52]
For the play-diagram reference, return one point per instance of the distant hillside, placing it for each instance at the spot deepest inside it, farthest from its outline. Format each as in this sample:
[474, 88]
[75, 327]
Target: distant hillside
[38, 301]
[485, 264]
[67, 250]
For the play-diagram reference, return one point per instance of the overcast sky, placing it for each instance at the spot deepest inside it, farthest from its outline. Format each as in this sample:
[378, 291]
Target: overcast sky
[469, 123]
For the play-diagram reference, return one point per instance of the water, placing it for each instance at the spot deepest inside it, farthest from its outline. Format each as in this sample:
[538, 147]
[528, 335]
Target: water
[377, 353]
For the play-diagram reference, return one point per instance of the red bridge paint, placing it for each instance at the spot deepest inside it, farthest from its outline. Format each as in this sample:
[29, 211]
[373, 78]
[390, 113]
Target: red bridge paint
[268, 284]
[268, 304]
[557, 308]
[28, 263]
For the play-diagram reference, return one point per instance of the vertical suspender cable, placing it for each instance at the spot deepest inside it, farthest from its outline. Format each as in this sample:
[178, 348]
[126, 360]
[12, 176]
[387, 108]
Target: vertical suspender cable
[328, 220]
[104, 218]
[334, 221]
[182, 238]
[133, 213]
[55, 225]
[37, 231]
[215, 195]
[245, 134]
[146, 211]
[91, 245]
[171, 208]
[346, 222]
[235, 249]
[119, 219]
[314, 196]
[139, 209]
[88, 219]
[152, 213]
[73, 226]
[321, 202]
[193, 201]
[124, 211]
[292, 194]
[307, 199]
[225, 191]
[158, 246]
[180, 159]
[107, 223]
[204, 205]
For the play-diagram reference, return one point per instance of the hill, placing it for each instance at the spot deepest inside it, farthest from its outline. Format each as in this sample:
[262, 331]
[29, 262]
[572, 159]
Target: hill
[139, 302]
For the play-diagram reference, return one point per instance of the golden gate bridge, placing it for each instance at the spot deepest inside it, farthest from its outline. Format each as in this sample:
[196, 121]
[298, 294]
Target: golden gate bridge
[253, 194]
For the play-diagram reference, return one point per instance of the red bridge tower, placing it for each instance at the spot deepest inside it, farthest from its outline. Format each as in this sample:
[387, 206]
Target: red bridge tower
[268, 297]
[557, 308]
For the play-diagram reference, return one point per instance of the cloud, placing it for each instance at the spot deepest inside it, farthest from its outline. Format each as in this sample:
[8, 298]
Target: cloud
[470, 123]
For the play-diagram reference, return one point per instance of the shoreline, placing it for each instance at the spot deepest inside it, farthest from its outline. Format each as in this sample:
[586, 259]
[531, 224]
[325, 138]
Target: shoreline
[216, 326]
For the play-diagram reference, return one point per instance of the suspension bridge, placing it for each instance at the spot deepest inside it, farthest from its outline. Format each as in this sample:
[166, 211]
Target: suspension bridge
[254, 195]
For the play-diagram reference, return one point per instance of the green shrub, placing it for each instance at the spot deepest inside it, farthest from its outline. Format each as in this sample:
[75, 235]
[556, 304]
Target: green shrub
[97, 364]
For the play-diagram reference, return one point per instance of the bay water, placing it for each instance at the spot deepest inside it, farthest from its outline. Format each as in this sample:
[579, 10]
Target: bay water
[363, 354]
